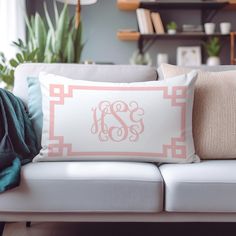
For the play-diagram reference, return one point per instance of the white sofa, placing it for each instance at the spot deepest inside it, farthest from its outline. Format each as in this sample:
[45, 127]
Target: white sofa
[118, 191]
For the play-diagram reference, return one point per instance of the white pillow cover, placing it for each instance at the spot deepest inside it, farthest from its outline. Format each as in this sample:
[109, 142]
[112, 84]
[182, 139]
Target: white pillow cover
[143, 121]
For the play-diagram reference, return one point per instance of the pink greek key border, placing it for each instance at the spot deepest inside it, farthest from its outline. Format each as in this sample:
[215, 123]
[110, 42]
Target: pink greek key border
[177, 150]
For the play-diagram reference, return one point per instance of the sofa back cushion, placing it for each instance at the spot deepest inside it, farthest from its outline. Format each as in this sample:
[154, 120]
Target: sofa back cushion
[214, 112]
[104, 73]
[201, 68]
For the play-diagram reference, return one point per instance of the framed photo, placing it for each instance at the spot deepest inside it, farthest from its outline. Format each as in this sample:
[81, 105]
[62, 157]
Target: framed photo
[189, 56]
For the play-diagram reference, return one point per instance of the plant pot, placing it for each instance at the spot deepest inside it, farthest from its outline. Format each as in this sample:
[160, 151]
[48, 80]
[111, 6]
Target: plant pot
[171, 31]
[225, 27]
[209, 28]
[213, 61]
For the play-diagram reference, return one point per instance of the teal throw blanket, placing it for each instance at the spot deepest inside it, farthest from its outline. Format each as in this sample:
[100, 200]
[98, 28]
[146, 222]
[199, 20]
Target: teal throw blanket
[18, 143]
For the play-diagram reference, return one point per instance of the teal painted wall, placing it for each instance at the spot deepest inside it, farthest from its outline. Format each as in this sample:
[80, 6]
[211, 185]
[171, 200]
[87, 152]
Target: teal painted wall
[102, 20]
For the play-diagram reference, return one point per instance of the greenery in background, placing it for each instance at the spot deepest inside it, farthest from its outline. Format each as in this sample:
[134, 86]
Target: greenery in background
[213, 47]
[7, 68]
[47, 42]
[172, 25]
[6, 73]
[138, 58]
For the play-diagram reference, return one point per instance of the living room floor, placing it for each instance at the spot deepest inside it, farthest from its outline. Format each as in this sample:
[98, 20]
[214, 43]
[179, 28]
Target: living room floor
[121, 229]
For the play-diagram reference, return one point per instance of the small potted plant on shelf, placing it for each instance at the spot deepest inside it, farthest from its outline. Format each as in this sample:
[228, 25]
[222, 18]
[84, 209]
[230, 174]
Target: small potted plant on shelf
[213, 49]
[171, 27]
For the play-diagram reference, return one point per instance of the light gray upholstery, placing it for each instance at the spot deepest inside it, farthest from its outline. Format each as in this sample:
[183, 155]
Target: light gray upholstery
[104, 73]
[209, 186]
[89, 190]
[86, 187]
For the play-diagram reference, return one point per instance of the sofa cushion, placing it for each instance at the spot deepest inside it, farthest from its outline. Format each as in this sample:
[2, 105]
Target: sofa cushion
[209, 186]
[214, 112]
[145, 121]
[35, 107]
[86, 187]
[106, 73]
[202, 68]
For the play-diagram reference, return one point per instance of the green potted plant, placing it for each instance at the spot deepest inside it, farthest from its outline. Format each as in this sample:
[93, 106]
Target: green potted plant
[171, 27]
[6, 74]
[60, 42]
[213, 48]
[7, 68]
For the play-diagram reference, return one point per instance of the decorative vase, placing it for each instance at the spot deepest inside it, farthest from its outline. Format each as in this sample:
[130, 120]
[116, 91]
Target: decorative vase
[209, 28]
[171, 31]
[225, 27]
[213, 61]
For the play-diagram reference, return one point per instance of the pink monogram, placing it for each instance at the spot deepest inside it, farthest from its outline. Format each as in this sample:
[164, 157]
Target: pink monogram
[118, 121]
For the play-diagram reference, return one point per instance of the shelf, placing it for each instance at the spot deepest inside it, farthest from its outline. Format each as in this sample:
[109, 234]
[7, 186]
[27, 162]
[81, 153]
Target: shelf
[204, 5]
[128, 36]
[128, 5]
[181, 36]
[162, 5]
[146, 40]
[208, 9]
[135, 36]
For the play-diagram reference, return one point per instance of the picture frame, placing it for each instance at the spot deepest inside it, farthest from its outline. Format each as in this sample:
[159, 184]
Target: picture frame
[189, 56]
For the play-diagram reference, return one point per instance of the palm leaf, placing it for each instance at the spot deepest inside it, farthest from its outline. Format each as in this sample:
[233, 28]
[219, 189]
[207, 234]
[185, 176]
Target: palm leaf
[62, 30]
[56, 12]
[49, 21]
[70, 52]
[40, 36]
[78, 43]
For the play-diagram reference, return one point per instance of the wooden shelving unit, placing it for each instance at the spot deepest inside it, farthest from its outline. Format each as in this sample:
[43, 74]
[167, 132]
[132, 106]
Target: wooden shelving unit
[131, 5]
[128, 36]
[232, 48]
[147, 40]
[161, 5]
[208, 10]
[135, 36]
[183, 36]
[128, 5]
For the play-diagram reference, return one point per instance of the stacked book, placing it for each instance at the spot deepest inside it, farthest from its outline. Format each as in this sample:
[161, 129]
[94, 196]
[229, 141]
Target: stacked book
[148, 22]
[192, 28]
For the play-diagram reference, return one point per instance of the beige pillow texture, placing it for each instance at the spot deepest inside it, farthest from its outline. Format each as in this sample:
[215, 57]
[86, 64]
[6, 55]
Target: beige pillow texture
[214, 112]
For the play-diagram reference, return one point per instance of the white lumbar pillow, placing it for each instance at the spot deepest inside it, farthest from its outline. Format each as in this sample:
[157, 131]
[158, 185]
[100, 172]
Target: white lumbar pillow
[143, 121]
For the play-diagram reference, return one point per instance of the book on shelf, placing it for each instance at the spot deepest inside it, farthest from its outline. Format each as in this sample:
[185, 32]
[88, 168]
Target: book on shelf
[157, 22]
[140, 20]
[144, 21]
[149, 21]
[192, 28]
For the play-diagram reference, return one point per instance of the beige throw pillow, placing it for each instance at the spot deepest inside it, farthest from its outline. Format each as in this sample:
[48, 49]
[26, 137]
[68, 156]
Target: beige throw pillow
[214, 112]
